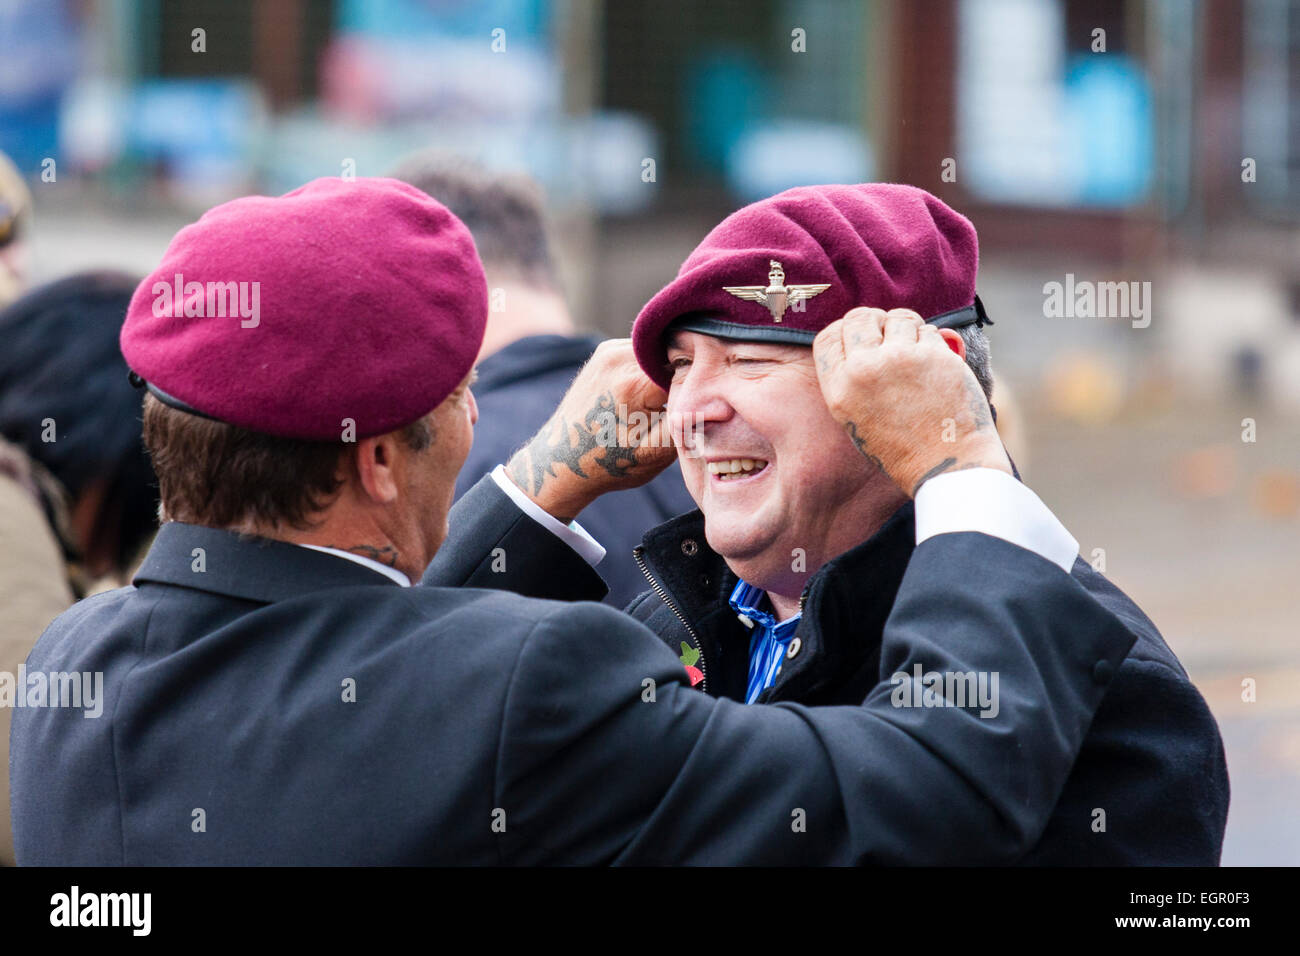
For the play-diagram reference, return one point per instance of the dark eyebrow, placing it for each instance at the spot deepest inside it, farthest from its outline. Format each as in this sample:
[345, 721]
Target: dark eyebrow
[673, 341]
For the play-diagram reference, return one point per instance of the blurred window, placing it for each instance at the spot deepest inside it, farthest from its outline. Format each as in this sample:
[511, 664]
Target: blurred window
[279, 42]
[1271, 105]
[1045, 115]
[758, 95]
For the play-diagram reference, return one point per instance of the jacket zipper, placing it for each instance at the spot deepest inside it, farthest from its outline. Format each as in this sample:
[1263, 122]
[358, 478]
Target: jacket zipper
[638, 555]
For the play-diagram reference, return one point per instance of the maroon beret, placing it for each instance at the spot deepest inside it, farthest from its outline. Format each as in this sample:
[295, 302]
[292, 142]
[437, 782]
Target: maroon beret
[783, 269]
[354, 299]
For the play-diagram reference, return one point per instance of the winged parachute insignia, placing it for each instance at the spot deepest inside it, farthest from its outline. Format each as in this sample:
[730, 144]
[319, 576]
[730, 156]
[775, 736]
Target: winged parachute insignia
[777, 296]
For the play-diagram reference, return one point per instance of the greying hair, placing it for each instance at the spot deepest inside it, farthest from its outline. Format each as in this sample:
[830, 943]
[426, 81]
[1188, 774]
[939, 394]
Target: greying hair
[977, 356]
[504, 213]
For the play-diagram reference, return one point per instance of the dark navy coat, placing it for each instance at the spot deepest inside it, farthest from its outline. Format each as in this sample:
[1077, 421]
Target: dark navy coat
[518, 389]
[491, 728]
[1152, 762]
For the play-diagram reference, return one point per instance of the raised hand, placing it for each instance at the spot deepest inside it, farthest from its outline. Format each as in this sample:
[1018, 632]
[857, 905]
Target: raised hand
[610, 432]
[909, 403]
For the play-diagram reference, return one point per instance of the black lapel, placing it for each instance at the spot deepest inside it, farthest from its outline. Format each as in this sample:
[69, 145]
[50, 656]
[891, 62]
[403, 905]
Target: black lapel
[848, 601]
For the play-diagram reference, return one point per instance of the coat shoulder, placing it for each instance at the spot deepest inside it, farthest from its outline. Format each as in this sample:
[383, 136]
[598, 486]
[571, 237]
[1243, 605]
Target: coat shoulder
[1150, 786]
[1150, 646]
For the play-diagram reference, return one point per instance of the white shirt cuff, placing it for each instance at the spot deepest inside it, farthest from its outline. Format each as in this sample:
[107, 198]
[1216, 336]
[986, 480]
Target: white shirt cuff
[572, 534]
[993, 503]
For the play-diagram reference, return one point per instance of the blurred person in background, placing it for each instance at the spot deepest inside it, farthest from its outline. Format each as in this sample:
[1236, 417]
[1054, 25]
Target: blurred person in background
[77, 503]
[15, 211]
[531, 352]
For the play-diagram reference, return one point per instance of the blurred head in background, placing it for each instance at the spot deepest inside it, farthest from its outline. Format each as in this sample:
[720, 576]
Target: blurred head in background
[15, 213]
[505, 215]
[66, 403]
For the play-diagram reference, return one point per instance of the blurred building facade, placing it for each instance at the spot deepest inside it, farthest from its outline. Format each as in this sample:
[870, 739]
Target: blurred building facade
[1115, 140]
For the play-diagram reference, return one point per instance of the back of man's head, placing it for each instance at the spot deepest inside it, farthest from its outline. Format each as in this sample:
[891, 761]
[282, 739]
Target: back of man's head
[504, 213]
[321, 381]
[224, 476]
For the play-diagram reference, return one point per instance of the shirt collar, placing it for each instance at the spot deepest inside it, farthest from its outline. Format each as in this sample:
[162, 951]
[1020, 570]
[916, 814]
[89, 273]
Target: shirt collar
[370, 563]
[746, 600]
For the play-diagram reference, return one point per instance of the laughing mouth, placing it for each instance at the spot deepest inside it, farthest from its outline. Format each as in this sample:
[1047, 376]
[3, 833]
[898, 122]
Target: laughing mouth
[732, 469]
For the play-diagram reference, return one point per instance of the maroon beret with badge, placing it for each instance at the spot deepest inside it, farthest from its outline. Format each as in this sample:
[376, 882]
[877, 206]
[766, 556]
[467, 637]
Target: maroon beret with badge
[356, 301]
[783, 269]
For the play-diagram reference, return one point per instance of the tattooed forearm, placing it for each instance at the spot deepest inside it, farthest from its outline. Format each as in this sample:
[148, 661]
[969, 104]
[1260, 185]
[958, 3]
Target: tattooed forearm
[517, 469]
[567, 443]
[531, 466]
[605, 426]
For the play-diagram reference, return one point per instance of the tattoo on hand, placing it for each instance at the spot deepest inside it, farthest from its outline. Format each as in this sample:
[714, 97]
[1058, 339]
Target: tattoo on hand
[615, 459]
[861, 446]
[568, 443]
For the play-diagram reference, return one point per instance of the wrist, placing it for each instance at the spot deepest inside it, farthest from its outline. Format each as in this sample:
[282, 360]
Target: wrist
[562, 500]
[563, 507]
[942, 462]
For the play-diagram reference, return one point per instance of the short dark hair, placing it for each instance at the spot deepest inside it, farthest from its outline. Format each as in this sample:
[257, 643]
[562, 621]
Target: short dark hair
[221, 475]
[504, 214]
[61, 362]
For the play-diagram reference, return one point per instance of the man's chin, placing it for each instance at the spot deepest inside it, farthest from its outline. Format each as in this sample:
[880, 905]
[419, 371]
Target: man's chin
[735, 540]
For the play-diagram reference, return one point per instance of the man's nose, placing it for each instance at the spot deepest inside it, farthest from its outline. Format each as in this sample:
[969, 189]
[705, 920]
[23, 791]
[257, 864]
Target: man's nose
[473, 408]
[695, 400]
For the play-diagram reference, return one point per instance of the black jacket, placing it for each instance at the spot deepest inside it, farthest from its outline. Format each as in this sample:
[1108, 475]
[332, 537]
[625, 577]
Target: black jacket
[1153, 759]
[489, 728]
[517, 390]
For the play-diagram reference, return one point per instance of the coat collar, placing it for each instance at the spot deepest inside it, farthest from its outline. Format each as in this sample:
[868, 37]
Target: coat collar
[846, 602]
[243, 566]
[846, 605]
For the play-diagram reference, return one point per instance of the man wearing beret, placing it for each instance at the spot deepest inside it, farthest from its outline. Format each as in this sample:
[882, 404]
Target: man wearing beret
[274, 692]
[781, 586]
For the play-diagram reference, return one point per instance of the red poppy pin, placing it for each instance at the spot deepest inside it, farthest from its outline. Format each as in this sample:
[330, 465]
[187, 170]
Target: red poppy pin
[688, 658]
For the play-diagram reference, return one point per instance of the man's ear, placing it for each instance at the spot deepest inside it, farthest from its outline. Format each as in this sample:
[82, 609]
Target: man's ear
[376, 464]
[954, 342]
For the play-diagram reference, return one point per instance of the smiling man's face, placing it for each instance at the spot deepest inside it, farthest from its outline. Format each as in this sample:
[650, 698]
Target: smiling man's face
[767, 464]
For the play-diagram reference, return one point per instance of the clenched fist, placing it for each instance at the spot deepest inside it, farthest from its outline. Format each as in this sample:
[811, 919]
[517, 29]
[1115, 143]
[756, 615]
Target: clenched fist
[609, 433]
[909, 403]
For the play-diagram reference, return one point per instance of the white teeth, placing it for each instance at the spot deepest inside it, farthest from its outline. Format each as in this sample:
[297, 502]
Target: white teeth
[728, 469]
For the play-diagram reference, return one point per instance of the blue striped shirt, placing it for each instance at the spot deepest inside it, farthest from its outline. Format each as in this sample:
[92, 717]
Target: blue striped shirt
[767, 642]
